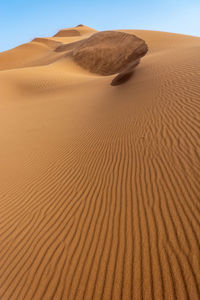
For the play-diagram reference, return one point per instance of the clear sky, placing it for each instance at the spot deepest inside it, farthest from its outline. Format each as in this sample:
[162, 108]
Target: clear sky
[23, 20]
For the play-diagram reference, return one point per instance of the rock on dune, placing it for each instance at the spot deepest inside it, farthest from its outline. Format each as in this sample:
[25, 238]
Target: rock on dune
[126, 73]
[109, 52]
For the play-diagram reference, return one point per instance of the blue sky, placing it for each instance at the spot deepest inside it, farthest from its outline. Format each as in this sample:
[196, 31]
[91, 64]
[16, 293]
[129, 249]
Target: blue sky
[23, 20]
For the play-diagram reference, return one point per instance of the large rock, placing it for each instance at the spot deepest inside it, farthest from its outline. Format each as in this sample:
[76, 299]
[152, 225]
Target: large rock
[110, 52]
[124, 75]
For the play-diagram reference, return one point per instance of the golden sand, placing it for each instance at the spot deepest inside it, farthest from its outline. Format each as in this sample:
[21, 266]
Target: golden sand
[99, 193]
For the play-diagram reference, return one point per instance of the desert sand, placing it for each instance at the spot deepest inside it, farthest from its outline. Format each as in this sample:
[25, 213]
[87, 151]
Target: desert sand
[100, 184]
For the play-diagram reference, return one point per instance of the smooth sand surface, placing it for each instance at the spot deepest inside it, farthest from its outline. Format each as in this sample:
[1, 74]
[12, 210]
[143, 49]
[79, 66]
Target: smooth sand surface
[99, 185]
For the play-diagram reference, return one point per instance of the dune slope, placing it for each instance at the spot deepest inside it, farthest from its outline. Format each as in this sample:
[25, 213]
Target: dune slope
[99, 194]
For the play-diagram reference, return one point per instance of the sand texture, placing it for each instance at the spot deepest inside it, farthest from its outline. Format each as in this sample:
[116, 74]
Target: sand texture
[100, 184]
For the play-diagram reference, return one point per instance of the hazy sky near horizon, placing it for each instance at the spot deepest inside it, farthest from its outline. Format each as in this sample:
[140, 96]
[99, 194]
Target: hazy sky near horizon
[23, 20]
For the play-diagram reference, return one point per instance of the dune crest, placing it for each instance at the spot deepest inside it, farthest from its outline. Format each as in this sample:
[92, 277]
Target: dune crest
[75, 31]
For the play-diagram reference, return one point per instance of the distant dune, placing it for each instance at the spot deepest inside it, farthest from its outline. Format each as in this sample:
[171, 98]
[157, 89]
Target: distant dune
[99, 194]
[75, 31]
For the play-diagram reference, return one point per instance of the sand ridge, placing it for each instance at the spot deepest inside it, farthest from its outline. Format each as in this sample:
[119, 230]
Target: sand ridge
[99, 195]
[75, 31]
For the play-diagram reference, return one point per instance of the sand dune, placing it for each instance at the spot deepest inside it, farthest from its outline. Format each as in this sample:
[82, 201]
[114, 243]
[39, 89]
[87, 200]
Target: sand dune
[75, 31]
[99, 195]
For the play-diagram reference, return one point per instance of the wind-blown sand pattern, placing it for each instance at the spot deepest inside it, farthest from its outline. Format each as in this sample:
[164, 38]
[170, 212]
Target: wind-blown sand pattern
[99, 194]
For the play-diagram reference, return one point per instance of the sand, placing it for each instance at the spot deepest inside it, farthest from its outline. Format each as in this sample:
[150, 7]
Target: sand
[99, 194]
